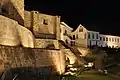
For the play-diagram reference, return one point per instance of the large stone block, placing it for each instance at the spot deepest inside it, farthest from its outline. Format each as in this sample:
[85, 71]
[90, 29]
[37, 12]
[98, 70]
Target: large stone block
[16, 57]
[46, 43]
[13, 34]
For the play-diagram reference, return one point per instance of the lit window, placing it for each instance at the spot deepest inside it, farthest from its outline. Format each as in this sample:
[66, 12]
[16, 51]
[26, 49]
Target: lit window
[109, 39]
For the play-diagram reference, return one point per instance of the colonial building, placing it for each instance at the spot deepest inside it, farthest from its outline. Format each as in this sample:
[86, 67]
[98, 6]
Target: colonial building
[92, 38]
[83, 37]
[109, 41]
[79, 36]
[65, 32]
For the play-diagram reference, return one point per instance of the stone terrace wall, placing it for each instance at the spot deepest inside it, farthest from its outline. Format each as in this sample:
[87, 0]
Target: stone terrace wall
[13, 57]
[45, 43]
[28, 19]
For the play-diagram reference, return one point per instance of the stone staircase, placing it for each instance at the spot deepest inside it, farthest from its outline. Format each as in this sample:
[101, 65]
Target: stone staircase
[72, 70]
[74, 50]
[63, 45]
[77, 54]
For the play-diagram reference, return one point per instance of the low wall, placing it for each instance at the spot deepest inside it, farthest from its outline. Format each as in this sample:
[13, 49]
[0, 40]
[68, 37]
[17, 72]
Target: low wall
[46, 43]
[13, 57]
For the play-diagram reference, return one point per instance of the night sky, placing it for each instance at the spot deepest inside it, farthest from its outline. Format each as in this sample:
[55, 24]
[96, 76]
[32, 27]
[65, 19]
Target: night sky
[102, 16]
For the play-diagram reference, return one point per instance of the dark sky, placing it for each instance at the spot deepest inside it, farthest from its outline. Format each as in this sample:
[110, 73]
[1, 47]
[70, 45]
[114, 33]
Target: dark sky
[103, 16]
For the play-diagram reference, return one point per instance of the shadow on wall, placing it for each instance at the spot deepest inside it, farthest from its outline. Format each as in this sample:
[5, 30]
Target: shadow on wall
[27, 73]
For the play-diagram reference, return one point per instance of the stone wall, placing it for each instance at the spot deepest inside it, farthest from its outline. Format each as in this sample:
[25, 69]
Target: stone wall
[13, 57]
[13, 9]
[42, 24]
[19, 5]
[28, 19]
[13, 34]
[46, 43]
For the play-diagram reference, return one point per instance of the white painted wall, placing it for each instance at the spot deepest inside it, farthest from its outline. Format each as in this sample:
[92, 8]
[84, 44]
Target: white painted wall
[93, 38]
[110, 41]
[85, 38]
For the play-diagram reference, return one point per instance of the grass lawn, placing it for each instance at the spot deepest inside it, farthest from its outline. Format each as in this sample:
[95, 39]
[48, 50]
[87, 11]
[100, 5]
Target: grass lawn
[91, 75]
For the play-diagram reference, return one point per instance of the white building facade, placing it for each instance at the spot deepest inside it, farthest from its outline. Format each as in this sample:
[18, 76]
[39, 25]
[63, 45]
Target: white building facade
[84, 37]
[92, 38]
[81, 37]
[109, 41]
